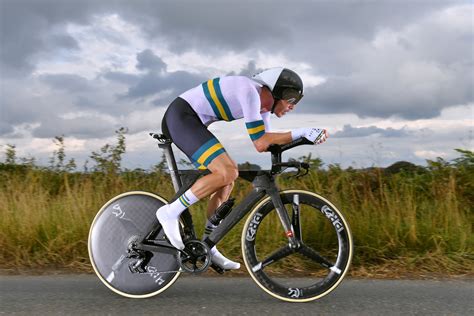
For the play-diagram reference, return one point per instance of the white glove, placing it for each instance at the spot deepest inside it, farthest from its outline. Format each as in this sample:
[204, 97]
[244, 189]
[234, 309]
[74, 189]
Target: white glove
[315, 135]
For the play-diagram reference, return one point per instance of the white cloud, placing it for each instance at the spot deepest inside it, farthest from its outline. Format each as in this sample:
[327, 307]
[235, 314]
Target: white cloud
[109, 42]
[411, 64]
[429, 154]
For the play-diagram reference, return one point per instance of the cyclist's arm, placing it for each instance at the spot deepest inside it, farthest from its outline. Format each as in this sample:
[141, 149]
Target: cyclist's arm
[267, 139]
[258, 124]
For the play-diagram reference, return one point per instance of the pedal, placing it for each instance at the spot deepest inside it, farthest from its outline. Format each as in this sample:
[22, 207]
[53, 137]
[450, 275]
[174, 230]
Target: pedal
[217, 268]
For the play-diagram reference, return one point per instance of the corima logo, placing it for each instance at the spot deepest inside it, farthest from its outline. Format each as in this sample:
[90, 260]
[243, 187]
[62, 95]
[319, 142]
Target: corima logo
[252, 230]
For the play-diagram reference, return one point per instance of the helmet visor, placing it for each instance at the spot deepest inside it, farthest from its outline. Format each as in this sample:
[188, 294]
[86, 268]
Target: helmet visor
[292, 96]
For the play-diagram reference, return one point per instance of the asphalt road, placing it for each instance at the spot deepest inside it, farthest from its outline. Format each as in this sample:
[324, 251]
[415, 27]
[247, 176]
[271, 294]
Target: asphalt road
[86, 295]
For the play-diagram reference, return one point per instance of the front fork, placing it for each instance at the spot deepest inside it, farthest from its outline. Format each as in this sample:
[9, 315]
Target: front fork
[291, 226]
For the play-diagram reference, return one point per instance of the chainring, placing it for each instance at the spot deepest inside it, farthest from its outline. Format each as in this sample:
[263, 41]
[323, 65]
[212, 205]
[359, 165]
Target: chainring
[195, 257]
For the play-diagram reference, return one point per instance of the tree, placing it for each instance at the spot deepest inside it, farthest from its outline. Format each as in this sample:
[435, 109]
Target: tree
[57, 161]
[248, 166]
[466, 159]
[10, 154]
[162, 166]
[401, 166]
[109, 159]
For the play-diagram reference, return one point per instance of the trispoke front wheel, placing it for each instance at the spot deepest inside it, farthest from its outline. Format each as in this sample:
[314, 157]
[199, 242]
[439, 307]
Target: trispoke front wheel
[274, 257]
[313, 268]
[315, 256]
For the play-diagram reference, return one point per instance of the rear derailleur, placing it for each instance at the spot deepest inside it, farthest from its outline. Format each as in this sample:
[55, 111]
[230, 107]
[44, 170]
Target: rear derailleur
[140, 258]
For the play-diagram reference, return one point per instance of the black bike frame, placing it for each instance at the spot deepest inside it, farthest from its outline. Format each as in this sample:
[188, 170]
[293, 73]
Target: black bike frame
[263, 184]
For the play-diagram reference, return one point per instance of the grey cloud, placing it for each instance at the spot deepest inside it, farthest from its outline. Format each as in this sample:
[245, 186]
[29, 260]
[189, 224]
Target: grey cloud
[64, 41]
[426, 68]
[420, 93]
[26, 30]
[84, 127]
[5, 128]
[66, 82]
[278, 25]
[121, 77]
[334, 38]
[147, 60]
[349, 131]
[205, 25]
[157, 79]
[18, 105]
[248, 71]
[175, 82]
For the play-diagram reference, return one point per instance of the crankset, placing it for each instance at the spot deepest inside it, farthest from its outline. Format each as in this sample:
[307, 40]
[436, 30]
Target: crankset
[195, 257]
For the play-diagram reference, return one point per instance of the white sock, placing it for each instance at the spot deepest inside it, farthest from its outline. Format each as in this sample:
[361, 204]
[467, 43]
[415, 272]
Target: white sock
[183, 202]
[223, 262]
[208, 229]
[168, 216]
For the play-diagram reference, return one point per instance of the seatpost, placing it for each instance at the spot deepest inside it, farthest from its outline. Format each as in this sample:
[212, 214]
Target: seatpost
[171, 162]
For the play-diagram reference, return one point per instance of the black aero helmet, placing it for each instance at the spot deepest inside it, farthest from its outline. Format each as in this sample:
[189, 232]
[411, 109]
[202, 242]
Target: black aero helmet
[285, 84]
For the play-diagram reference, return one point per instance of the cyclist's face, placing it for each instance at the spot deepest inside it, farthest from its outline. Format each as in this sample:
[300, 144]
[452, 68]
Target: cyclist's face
[282, 107]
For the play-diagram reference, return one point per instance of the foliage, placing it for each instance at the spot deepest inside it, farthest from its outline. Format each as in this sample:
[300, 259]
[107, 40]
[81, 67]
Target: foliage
[418, 217]
[58, 160]
[10, 155]
[248, 166]
[109, 159]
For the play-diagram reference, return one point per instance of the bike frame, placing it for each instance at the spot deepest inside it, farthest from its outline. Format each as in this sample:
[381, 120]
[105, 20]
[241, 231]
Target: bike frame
[263, 184]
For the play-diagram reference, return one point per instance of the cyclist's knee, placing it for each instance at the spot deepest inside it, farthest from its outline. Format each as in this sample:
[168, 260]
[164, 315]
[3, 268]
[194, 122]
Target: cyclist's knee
[226, 168]
[228, 175]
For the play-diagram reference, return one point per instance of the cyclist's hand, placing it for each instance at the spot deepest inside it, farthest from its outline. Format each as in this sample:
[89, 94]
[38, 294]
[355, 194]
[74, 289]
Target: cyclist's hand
[322, 137]
[314, 135]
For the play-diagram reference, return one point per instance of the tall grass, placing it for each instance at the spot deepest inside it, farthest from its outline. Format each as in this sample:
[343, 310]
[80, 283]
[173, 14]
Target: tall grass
[417, 220]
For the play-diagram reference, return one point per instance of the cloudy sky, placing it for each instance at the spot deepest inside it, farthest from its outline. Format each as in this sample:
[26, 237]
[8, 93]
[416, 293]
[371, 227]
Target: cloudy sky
[390, 80]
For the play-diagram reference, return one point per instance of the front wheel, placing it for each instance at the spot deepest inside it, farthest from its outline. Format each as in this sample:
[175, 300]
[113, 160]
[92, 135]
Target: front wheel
[311, 270]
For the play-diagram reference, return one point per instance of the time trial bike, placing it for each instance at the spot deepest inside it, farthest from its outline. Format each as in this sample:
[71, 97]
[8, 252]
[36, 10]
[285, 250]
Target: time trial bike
[296, 245]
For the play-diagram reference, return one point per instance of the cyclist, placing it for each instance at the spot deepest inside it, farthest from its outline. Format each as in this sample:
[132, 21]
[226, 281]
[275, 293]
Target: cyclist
[276, 90]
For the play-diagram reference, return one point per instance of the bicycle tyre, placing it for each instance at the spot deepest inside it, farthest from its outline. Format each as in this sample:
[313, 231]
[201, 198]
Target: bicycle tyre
[333, 229]
[127, 216]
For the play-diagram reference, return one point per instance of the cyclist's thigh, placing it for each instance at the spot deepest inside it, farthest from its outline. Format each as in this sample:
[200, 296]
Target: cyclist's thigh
[190, 135]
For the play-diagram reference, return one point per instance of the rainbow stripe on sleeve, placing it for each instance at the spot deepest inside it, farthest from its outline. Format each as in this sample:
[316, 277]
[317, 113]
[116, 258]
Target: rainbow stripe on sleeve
[256, 129]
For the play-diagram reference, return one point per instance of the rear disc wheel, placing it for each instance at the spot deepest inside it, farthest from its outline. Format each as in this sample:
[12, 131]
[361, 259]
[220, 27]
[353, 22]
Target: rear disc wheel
[120, 223]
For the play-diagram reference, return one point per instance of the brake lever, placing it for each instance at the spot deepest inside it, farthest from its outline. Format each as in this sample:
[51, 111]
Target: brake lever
[297, 175]
[302, 175]
[304, 166]
[301, 165]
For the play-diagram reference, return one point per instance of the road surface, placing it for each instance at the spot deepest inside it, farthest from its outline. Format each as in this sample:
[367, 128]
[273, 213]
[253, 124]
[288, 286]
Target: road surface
[86, 295]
